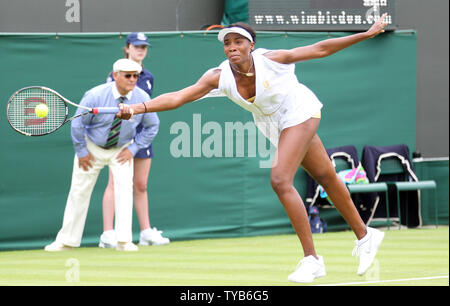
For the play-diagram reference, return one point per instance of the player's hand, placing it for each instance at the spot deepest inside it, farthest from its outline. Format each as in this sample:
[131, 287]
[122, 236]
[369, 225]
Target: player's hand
[124, 156]
[126, 111]
[85, 162]
[377, 27]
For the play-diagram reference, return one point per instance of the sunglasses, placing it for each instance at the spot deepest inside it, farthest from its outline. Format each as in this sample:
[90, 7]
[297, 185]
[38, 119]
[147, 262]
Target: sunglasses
[129, 75]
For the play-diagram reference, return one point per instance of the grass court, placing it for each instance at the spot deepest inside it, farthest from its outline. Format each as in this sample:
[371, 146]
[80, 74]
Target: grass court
[413, 257]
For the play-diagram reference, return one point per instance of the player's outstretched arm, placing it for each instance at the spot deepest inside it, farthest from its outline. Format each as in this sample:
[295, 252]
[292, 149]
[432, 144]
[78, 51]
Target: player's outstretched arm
[326, 47]
[172, 100]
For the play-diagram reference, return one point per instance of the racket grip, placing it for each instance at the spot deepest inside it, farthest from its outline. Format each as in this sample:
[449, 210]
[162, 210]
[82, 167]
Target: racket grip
[105, 110]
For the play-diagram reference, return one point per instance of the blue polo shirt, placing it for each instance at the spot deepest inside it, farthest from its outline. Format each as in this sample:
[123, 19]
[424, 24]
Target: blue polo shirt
[97, 127]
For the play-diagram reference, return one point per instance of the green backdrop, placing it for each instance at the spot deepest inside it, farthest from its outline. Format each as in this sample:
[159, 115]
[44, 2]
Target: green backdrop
[368, 91]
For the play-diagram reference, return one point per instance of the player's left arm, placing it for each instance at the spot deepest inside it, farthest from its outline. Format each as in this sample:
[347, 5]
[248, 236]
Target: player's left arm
[326, 47]
[172, 100]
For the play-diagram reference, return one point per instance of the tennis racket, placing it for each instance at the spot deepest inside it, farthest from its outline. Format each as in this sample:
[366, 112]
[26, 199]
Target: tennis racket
[23, 118]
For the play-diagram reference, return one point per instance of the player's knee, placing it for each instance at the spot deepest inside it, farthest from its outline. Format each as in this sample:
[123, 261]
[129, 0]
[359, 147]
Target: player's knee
[328, 179]
[325, 177]
[280, 183]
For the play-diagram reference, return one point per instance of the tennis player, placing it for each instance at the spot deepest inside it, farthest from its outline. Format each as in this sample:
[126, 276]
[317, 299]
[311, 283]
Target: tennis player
[263, 82]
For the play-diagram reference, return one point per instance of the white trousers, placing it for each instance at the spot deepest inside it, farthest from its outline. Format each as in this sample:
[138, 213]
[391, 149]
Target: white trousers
[81, 188]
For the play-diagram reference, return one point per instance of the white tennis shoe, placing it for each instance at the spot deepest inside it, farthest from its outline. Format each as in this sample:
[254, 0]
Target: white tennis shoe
[367, 249]
[127, 247]
[56, 246]
[308, 269]
[108, 240]
[152, 236]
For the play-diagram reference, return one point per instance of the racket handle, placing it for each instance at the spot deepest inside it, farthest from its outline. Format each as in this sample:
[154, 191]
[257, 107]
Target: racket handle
[105, 110]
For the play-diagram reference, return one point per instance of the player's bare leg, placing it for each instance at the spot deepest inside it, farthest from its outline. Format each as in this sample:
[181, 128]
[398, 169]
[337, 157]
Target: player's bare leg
[293, 144]
[318, 164]
[292, 147]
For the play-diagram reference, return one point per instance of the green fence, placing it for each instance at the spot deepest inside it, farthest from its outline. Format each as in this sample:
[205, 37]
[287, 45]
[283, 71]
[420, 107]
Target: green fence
[368, 91]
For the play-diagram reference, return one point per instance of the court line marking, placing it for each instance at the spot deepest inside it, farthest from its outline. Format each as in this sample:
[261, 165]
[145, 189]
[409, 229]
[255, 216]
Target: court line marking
[386, 281]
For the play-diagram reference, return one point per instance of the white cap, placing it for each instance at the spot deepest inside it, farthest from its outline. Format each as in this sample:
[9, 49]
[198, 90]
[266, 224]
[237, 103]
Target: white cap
[238, 30]
[125, 64]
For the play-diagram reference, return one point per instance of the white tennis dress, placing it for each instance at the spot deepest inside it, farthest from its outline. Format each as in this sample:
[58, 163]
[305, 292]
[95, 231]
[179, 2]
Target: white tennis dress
[280, 100]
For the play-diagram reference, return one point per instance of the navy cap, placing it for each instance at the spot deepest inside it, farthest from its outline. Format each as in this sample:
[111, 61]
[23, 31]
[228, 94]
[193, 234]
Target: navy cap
[137, 39]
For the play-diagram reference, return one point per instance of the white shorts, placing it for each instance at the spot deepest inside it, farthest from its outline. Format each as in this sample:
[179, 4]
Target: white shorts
[297, 108]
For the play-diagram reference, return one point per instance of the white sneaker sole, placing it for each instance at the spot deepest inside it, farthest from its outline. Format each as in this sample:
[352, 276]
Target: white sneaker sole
[49, 248]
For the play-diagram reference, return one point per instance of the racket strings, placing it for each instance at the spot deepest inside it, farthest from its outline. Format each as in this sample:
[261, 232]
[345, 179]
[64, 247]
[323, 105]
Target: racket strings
[22, 116]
